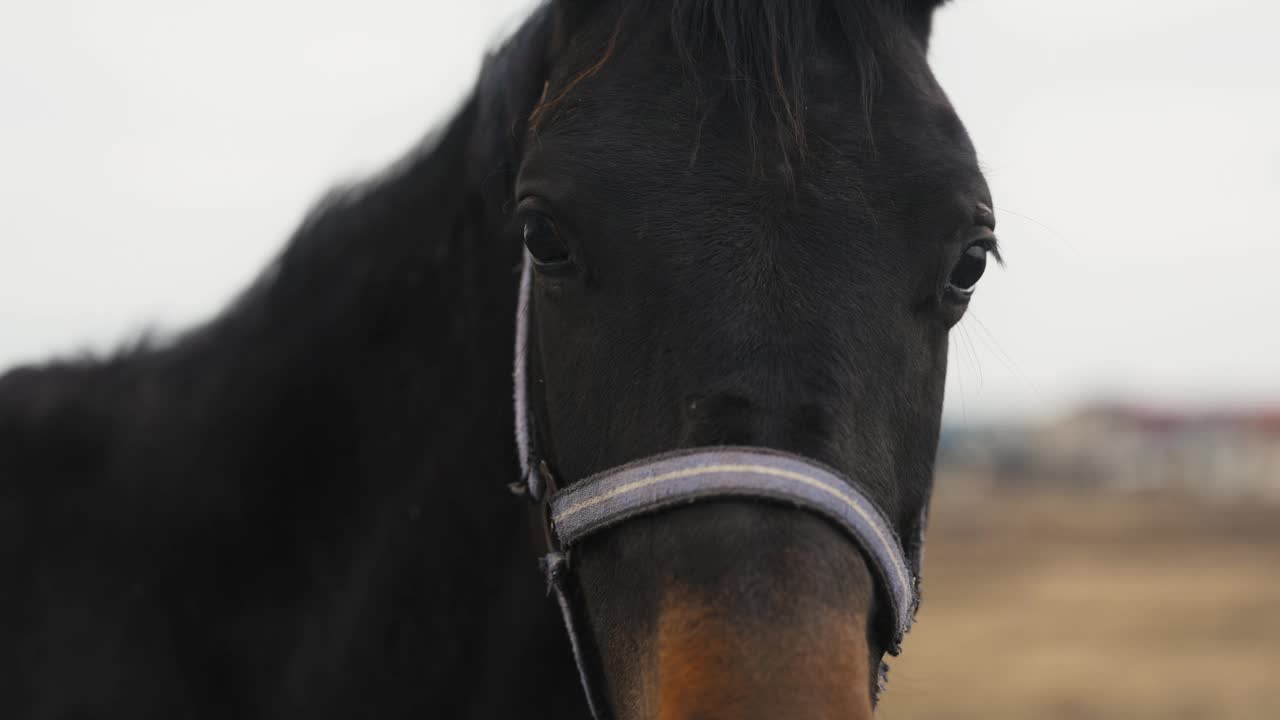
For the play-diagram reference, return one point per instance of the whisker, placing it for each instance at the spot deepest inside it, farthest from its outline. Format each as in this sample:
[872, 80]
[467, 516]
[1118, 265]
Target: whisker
[1058, 235]
[964, 413]
[1005, 359]
[973, 353]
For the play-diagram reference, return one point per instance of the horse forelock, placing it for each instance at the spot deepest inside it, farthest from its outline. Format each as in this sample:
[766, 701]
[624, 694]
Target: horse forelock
[758, 55]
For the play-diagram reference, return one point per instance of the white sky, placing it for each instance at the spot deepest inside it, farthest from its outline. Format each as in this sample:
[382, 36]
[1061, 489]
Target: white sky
[154, 155]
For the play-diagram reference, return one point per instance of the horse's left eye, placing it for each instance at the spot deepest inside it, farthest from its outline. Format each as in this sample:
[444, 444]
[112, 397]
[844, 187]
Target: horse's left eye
[542, 237]
[968, 269]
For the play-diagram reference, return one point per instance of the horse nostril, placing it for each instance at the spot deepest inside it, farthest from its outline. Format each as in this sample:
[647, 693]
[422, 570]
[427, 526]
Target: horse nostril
[721, 403]
[737, 419]
[721, 419]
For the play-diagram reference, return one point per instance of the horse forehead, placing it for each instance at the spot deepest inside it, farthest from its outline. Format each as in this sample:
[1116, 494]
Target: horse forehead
[904, 118]
[626, 110]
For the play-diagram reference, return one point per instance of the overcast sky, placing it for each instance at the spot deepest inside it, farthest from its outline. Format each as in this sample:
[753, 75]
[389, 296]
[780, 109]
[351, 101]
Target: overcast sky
[154, 155]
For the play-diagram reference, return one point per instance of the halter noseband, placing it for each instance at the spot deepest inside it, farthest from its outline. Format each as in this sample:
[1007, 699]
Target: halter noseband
[657, 483]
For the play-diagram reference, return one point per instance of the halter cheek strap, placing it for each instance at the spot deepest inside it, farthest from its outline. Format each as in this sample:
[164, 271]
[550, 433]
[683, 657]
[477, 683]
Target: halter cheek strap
[675, 479]
[529, 481]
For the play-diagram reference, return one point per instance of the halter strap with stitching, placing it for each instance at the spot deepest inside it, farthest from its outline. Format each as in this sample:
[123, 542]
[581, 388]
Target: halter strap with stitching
[680, 478]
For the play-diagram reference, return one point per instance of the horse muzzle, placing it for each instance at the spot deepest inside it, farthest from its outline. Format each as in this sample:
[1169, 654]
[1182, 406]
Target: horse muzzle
[683, 478]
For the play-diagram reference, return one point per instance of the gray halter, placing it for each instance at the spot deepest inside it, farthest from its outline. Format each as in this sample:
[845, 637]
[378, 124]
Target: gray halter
[657, 483]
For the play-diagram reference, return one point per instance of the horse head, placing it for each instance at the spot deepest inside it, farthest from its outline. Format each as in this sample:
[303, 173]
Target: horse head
[746, 224]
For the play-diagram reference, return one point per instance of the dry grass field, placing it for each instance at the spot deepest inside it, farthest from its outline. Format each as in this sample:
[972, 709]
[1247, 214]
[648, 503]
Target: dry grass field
[1079, 607]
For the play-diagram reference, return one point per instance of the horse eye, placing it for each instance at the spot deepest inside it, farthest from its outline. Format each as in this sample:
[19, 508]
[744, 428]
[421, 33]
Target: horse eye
[542, 237]
[969, 269]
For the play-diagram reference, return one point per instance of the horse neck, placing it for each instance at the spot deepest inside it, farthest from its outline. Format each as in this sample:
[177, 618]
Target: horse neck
[372, 390]
[378, 346]
[307, 496]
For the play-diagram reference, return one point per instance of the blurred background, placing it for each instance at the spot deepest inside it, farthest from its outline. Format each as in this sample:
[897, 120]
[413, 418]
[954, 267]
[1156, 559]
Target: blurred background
[1106, 532]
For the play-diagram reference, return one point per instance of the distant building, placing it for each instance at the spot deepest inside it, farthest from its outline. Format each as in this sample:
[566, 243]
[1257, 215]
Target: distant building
[1128, 449]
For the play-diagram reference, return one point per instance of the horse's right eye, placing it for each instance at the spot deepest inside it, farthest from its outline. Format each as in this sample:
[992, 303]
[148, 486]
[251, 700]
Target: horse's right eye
[542, 238]
[968, 269]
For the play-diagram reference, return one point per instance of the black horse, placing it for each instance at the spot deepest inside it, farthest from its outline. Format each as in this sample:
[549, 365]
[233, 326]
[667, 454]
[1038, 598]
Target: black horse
[751, 223]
